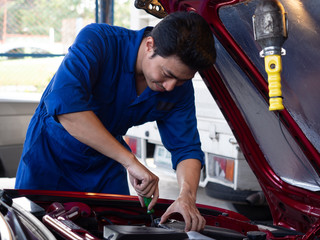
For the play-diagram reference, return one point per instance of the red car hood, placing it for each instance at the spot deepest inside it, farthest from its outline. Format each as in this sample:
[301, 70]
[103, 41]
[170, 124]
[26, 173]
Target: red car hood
[281, 147]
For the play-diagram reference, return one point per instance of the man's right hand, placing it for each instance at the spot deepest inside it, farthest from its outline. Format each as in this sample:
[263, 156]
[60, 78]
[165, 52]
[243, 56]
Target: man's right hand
[144, 182]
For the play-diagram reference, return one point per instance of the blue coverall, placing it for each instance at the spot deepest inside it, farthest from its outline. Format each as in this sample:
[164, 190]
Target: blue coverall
[98, 74]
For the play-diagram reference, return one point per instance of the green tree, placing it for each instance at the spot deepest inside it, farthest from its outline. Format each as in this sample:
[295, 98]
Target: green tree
[122, 13]
[36, 17]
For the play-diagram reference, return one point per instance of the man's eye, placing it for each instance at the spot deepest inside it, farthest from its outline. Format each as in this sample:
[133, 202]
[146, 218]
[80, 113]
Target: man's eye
[165, 75]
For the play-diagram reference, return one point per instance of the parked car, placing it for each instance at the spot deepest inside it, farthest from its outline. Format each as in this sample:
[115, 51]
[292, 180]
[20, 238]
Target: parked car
[281, 146]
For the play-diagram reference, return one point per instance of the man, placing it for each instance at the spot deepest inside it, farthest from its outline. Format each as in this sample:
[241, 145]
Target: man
[112, 79]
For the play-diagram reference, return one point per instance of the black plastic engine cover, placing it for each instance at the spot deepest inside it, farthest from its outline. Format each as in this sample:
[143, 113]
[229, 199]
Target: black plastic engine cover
[124, 232]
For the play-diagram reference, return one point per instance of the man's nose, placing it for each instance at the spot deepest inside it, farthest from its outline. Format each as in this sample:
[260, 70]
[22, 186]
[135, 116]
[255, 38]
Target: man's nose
[169, 84]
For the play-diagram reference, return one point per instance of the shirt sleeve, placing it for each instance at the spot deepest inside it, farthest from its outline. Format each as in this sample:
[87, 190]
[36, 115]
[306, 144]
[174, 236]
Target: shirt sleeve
[178, 131]
[72, 85]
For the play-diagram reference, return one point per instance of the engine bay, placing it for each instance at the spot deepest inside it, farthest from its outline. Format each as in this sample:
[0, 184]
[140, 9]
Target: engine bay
[76, 220]
[122, 217]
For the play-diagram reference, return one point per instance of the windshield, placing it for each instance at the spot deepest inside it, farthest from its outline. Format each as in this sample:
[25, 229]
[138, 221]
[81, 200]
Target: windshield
[299, 85]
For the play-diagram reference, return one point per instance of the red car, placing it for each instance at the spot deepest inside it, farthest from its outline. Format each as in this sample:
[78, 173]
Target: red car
[270, 103]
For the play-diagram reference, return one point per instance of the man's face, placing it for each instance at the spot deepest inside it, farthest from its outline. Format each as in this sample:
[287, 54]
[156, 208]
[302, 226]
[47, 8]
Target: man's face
[164, 74]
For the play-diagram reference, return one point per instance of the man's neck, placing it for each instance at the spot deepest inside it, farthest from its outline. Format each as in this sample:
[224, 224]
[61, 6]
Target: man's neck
[141, 84]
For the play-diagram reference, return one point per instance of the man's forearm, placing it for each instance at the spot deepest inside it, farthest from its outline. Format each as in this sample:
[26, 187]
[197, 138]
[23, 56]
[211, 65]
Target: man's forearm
[188, 176]
[88, 129]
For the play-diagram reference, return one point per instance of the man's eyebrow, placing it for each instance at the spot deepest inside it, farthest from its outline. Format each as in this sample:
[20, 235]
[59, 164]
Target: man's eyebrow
[172, 75]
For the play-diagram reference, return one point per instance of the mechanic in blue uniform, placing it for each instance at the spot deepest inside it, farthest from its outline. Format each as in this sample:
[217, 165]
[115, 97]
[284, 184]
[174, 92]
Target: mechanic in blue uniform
[112, 79]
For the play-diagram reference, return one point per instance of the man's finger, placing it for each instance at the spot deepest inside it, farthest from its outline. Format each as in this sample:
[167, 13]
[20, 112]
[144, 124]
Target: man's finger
[146, 189]
[143, 188]
[202, 223]
[194, 223]
[141, 201]
[187, 221]
[154, 198]
[164, 217]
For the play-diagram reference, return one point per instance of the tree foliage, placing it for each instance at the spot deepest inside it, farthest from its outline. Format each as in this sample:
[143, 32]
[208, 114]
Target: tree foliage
[36, 17]
[122, 13]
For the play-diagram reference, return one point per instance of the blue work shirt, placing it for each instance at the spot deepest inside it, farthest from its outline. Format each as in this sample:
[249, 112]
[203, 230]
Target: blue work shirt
[98, 74]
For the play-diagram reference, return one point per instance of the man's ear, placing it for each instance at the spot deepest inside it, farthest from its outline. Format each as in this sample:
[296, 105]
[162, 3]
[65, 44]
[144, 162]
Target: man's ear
[150, 44]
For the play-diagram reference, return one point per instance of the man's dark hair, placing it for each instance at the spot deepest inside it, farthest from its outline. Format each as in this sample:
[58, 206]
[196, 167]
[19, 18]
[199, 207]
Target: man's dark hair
[188, 36]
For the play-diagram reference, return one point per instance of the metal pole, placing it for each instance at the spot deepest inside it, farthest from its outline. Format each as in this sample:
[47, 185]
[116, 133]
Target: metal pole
[104, 11]
[97, 11]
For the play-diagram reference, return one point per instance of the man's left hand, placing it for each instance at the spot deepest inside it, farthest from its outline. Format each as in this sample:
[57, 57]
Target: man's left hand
[185, 205]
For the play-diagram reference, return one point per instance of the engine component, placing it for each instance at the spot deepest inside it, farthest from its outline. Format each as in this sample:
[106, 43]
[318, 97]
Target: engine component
[117, 232]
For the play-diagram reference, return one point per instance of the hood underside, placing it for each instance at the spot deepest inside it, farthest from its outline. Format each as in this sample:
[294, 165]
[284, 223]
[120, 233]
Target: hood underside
[281, 147]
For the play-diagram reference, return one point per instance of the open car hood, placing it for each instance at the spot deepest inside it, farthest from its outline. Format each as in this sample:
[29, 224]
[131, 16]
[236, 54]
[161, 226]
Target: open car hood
[281, 147]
